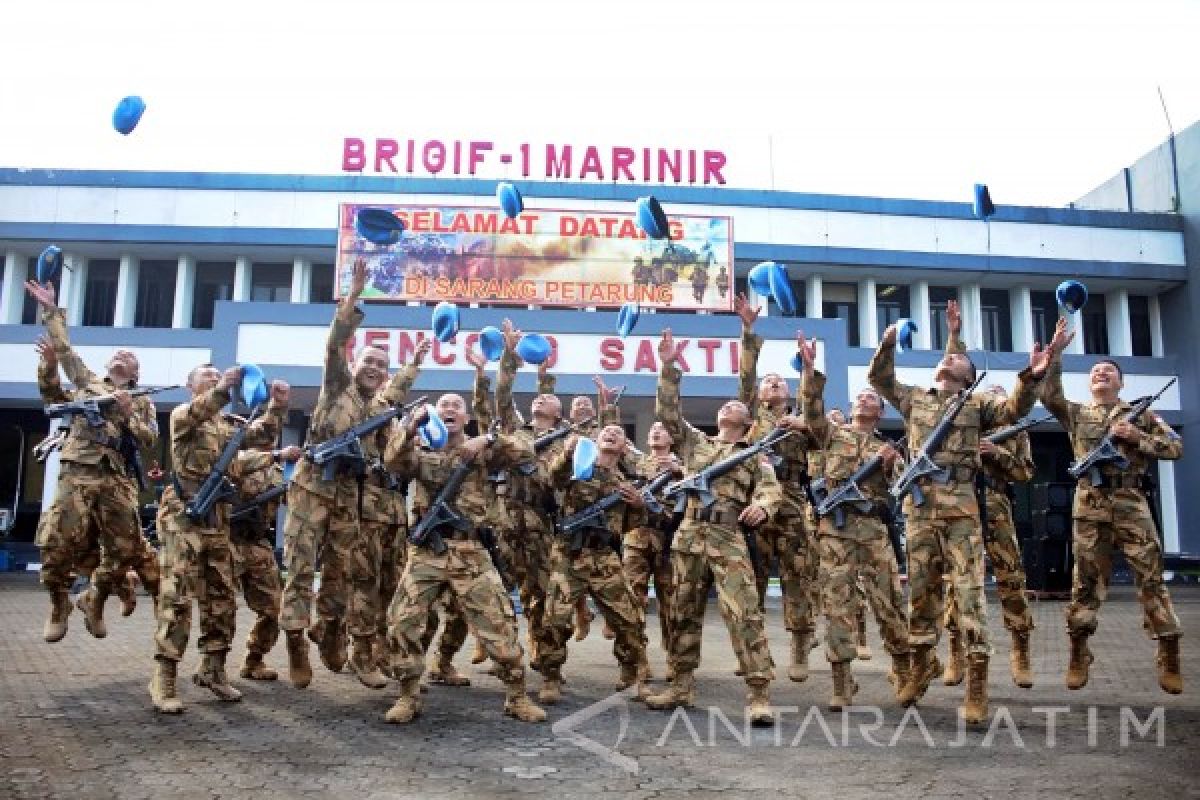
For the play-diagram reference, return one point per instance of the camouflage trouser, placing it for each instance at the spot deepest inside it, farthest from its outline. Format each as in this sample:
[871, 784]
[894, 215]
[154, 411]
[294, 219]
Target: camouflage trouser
[464, 573]
[595, 572]
[737, 599]
[534, 536]
[319, 529]
[91, 500]
[846, 559]
[197, 562]
[941, 548]
[642, 559]
[393, 552]
[1004, 554]
[789, 539]
[255, 568]
[1130, 528]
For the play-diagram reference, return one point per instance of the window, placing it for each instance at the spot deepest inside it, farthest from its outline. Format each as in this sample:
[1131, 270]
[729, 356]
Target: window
[939, 328]
[997, 320]
[271, 283]
[840, 301]
[156, 294]
[100, 294]
[320, 287]
[1044, 315]
[1139, 325]
[891, 304]
[214, 281]
[1095, 325]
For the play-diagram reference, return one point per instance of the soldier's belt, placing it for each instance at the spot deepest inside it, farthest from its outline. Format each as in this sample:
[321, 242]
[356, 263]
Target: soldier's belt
[1114, 482]
[959, 474]
[717, 516]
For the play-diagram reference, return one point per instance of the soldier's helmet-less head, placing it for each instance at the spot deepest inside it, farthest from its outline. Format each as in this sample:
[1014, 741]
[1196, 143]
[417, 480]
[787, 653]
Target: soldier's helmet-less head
[772, 388]
[611, 439]
[734, 414]
[202, 378]
[546, 405]
[1106, 378]
[836, 416]
[955, 368]
[582, 408]
[868, 406]
[370, 368]
[659, 436]
[123, 367]
[453, 411]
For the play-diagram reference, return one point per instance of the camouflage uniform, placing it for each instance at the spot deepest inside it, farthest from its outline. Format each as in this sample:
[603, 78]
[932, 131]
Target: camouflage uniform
[643, 557]
[788, 536]
[944, 533]
[711, 540]
[1114, 515]
[94, 491]
[254, 567]
[859, 549]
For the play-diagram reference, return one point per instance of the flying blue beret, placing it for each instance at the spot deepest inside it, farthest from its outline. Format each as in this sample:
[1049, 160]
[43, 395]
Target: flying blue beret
[254, 385]
[128, 113]
[984, 207]
[534, 348]
[651, 218]
[49, 264]
[781, 290]
[491, 343]
[378, 226]
[760, 278]
[433, 430]
[445, 321]
[1071, 295]
[510, 199]
[584, 460]
[627, 318]
[797, 363]
[905, 328]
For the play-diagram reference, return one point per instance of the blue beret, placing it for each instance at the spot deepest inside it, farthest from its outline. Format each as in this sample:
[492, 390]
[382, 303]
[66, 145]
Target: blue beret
[128, 113]
[433, 430]
[760, 278]
[378, 226]
[781, 290]
[627, 318]
[584, 460]
[254, 385]
[905, 328]
[491, 343]
[445, 321]
[510, 199]
[983, 205]
[49, 264]
[534, 348]
[651, 218]
[1071, 295]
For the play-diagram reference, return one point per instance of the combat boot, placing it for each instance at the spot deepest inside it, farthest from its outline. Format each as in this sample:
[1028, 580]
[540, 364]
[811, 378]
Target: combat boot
[162, 687]
[551, 691]
[681, 692]
[517, 703]
[211, 676]
[254, 669]
[862, 649]
[631, 675]
[956, 667]
[801, 647]
[91, 603]
[480, 654]
[56, 624]
[445, 673]
[299, 670]
[363, 664]
[925, 667]
[331, 643]
[408, 704]
[1081, 659]
[844, 686]
[1019, 661]
[1170, 678]
[758, 703]
[975, 706]
[898, 674]
[128, 598]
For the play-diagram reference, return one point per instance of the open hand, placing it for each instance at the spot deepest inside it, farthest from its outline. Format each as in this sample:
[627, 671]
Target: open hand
[747, 313]
[752, 516]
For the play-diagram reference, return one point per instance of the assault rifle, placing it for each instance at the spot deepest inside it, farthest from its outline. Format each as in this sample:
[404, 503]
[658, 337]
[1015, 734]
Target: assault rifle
[487, 538]
[442, 513]
[345, 450]
[246, 510]
[546, 439]
[594, 516]
[700, 484]
[1004, 434]
[1106, 452]
[850, 493]
[922, 464]
[92, 408]
[216, 486]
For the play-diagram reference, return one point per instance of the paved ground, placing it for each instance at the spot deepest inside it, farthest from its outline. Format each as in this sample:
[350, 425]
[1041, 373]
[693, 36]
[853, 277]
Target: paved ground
[76, 721]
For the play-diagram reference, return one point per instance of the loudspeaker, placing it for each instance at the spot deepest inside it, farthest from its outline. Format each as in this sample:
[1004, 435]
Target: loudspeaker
[1053, 496]
[1047, 565]
[1054, 525]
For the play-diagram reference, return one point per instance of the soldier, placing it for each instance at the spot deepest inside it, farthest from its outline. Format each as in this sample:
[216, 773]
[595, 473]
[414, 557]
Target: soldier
[943, 533]
[644, 551]
[723, 281]
[699, 282]
[787, 536]
[861, 548]
[595, 569]
[1114, 514]
[710, 539]
[323, 521]
[197, 559]
[95, 490]
[464, 571]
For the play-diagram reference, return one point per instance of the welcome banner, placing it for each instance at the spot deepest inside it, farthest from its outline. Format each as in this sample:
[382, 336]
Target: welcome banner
[547, 257]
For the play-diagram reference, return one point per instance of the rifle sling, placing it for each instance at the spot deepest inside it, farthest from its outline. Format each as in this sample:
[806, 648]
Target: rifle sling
[714, 515]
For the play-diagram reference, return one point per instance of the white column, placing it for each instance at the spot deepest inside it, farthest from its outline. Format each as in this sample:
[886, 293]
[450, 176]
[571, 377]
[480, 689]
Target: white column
[241, 279]
[868, 320]
[1074, 323]
[813, 297]
[127, 291]
[12, 290]
[301, 280]
[971, 307]
[1156, 329]
[1020, 306]
[1116, 312]
[50, 475]
[73, 287]
[185, 289]
[918, 309]
[1170, 511]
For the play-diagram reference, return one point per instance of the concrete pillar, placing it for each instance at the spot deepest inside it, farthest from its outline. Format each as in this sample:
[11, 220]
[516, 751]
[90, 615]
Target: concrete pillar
[971, 307]
[241, 279]
[185, 290]
[127, 291]
[12, 290]
[1156, 328]
[50, 476]
[1020, 306]
[918, 295]
[813, 297]
[1170, 510]
[868, 319]
[1074, 323]
[74, 285]
[1116, 312]
[301, 280]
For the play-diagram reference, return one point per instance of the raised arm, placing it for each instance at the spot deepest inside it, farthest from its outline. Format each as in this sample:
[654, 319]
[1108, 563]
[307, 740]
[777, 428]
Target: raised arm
[607, 413]
[561, 464]
[1052, 395]
[545, 381]
[264, 431]
[506, 410]
[401, 383]
[509, 451]
[811, 395]
[345, 322]
[56, 327]
[667, 405]
[141, 422]
[49, 385]
[1014, 459]
[751, 346]
[954, 342]
[401, 456]
[481, 392]
[204, 406]
[882, 374]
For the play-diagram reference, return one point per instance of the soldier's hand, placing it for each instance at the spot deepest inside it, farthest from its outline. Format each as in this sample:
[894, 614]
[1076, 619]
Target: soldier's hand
[1039, 360]
[807, 348]
[986, 448]
[291, 454]
[511, 336]
[422, 350]
[230, 378]
[569, 444]
[889, 454]
[475, 359]
[666, 347]
[123, 402]
[953, 317]
[889, 336]
[416, 419]
[747, 313]
[281, 393]
[752, 516]
[45, 351]
[1126, 432]
[1061, 338]
[43, 294]
[472, 447]
[358, 278]
[632, 497]
[543, 369]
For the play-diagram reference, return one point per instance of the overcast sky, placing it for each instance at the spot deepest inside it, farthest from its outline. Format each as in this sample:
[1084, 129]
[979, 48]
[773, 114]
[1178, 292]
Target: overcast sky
[1041, 99]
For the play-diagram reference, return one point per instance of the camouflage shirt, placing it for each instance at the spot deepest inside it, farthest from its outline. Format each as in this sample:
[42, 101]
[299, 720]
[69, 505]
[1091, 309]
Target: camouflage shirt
[843, 449]
[533, 491]
[578, 495]
[792, 470]
[651, 527]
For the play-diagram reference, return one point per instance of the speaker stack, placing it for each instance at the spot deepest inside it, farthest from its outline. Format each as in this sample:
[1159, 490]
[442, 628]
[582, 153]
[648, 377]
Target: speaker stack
[1047, 552]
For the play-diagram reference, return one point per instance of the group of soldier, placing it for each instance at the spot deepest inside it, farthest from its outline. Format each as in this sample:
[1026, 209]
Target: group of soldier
[412, 533]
